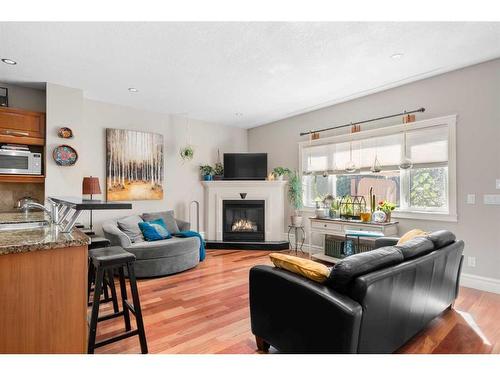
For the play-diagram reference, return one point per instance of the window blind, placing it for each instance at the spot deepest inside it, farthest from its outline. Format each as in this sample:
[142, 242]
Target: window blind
[426, 147]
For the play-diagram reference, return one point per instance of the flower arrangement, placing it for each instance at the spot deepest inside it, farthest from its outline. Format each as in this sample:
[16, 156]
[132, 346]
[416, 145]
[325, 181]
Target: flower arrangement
[386, 206]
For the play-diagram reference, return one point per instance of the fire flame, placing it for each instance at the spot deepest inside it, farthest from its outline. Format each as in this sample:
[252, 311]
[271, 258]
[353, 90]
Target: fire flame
[243, 225]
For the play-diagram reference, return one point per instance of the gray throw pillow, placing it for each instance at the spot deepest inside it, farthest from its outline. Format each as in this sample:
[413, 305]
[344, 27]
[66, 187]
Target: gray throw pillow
[168, 218]
[130, 226]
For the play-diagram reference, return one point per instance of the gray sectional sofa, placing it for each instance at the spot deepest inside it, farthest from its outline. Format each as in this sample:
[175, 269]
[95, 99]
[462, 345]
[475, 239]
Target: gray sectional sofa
[157, 258]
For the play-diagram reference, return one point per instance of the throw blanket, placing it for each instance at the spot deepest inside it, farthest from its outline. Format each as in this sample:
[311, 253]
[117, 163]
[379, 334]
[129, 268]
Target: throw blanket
[190, 233]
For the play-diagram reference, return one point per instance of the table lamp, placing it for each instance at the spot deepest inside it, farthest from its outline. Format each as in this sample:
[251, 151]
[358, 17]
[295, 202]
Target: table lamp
[90, 185]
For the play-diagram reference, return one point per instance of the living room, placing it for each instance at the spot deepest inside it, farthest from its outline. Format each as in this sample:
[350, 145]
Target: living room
[249, 187]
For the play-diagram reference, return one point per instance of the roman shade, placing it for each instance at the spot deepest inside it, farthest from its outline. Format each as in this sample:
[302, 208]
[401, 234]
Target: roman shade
[426, 147]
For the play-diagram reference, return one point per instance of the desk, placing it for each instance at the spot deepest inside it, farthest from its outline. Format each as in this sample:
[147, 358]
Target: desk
[338, 227]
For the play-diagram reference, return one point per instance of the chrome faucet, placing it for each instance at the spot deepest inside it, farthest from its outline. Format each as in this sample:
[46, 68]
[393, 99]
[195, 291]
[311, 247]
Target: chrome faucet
[53, 212]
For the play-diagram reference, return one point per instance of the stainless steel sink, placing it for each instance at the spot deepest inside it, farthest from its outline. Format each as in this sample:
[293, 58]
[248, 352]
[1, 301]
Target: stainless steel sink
[20, 226]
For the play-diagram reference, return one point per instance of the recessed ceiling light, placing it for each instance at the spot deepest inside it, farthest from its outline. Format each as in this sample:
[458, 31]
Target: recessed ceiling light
[133, 89]
[238, 114]
[397, 56]
[9, 61]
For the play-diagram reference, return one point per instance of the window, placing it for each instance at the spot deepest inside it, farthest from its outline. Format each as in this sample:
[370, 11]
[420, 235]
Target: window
[427, 190]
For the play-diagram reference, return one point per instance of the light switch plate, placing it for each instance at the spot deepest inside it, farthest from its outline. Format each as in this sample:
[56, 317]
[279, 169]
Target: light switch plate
[497, 183]
[491, 199]
[471, 198]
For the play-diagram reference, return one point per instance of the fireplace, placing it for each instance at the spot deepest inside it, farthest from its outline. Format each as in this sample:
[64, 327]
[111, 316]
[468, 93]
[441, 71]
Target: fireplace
[243, 220]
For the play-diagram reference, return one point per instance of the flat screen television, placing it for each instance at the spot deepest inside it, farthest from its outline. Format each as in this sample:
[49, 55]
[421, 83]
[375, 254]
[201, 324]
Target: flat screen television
[245, 166]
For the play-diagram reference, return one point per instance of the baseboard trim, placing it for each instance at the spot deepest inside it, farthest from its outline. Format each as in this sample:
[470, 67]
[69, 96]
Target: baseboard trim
[487, 284]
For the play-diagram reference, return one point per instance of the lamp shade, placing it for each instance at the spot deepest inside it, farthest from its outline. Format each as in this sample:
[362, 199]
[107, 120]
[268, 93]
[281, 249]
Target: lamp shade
[90, 185]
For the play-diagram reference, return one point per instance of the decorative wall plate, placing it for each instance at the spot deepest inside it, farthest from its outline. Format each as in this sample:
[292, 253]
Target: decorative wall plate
[65, 155]
[65, 133]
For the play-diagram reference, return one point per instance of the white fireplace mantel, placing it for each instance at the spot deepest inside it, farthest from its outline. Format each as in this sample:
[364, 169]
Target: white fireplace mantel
[271, 192]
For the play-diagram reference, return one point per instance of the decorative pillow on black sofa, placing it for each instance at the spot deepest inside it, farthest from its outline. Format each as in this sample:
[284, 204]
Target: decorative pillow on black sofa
[345, 271]
[168, 218]
[415, 247]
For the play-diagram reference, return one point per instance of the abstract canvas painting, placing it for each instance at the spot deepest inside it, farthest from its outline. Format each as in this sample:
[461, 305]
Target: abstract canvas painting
[134, 165]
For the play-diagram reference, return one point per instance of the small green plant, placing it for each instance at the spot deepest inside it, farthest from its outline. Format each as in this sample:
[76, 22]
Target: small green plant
[281, 171]
[336, 204]
[206, 170]
[386, 206]
[187, 153]
[218, 169]
[295, 191]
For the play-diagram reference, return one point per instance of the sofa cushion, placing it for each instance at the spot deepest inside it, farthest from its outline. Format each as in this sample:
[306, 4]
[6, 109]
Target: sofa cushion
[441, 238]
[345, 271]
[154, 230]
[305, 267]
[167, 216]
[130, 227]
[415, 247]
[172, 247]
[410, 235]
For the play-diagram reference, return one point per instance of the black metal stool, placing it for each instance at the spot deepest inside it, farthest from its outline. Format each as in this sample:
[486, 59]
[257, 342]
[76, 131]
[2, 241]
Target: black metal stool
[105, 261]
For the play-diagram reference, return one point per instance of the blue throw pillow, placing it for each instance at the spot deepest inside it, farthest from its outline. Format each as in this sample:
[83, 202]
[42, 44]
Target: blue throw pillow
[154, 230]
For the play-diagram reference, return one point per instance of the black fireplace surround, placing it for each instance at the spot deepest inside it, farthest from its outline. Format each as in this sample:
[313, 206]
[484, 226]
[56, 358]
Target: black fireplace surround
[243, 220]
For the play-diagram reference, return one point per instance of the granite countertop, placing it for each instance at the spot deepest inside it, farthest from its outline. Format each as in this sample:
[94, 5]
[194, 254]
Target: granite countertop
[22, 217]
[44, 238]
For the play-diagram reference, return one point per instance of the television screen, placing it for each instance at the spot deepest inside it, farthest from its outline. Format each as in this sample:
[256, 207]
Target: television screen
[248, 166]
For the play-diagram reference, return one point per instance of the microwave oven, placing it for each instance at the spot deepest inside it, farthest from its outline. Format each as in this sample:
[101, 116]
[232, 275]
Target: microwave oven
[20, 162]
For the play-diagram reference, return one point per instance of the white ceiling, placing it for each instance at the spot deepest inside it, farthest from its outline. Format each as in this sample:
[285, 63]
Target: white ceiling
[215, 71]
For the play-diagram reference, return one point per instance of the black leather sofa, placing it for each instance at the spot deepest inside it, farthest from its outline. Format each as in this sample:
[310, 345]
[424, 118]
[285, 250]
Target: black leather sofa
[373, 302]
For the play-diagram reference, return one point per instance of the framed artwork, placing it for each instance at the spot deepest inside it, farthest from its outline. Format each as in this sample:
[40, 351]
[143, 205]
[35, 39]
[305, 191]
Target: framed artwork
[134, 165]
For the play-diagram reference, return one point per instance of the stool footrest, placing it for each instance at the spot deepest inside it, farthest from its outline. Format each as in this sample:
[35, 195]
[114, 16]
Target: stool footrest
[130, 307]
[110, 316]
[116, 338]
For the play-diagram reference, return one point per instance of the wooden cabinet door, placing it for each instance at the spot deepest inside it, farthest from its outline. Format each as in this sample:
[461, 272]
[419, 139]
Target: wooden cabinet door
[21, 123]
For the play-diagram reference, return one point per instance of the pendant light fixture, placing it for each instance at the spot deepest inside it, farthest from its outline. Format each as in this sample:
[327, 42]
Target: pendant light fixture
[350, 167]
[405, 162]
[376, 168]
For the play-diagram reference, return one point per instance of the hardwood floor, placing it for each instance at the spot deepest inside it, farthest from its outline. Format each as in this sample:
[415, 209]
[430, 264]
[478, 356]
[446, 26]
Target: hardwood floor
[205, 310]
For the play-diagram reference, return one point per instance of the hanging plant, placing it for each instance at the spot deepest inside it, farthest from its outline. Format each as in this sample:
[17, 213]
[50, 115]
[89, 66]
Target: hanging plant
[187, 153]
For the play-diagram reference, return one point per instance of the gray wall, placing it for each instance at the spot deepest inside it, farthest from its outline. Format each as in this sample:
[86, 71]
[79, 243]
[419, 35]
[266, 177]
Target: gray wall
[89, 119]
[25, 97]
[473, 94]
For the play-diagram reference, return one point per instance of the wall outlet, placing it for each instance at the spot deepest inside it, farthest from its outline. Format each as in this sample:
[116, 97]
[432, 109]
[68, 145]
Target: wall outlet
[471, 198]
[471, 261]
[491, 199]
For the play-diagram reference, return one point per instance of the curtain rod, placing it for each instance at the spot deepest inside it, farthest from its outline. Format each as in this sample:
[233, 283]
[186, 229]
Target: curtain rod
[364, 121]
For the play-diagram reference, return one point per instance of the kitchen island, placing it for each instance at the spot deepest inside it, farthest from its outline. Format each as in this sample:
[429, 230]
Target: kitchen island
[43, 281]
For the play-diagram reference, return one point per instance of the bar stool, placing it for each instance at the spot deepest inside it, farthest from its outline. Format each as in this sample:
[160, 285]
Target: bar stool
[95, 245]
[104, 261]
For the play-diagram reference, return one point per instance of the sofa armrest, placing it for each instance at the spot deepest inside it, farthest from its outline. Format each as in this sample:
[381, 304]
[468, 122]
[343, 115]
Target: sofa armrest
[297, 315]
[116, 236]
[386, 241]
[183, 225]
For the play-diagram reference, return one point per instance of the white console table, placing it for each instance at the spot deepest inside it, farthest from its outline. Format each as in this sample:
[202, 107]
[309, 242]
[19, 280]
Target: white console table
[338, 227]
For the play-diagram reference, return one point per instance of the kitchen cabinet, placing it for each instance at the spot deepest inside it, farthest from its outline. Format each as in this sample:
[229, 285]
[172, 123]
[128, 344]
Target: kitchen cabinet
[21, 126]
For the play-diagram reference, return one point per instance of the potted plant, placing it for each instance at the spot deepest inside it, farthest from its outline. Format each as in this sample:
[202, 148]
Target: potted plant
[280, 172]
[207, 172]
[387, 207]
[335, 209]
[295, 197]
[186, 153]
[218, 171]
